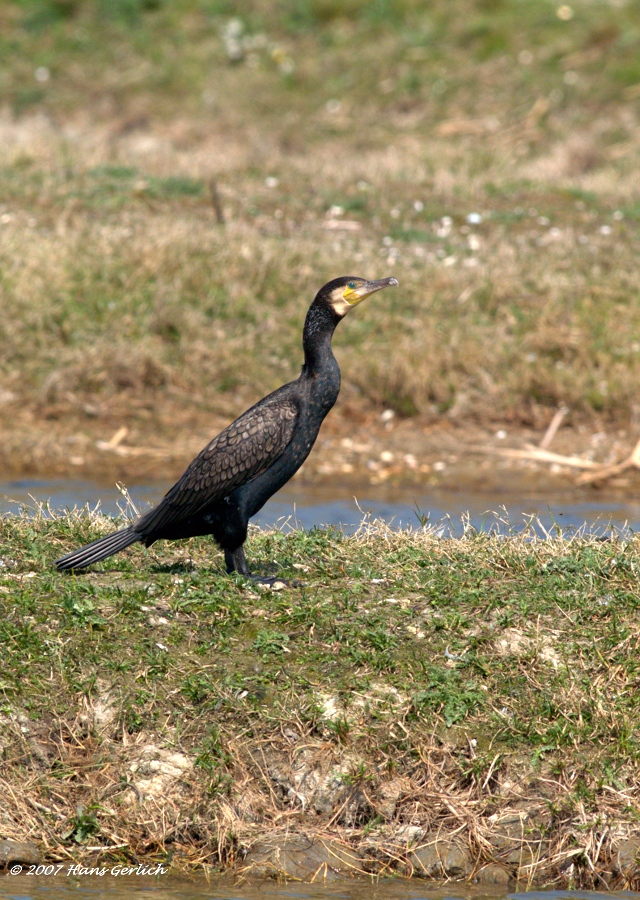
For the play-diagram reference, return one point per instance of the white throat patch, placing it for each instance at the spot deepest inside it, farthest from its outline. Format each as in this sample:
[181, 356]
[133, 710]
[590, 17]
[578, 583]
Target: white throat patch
[339, 304]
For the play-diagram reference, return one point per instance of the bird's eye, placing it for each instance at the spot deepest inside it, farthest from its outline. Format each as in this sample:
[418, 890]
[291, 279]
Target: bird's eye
[351, 285]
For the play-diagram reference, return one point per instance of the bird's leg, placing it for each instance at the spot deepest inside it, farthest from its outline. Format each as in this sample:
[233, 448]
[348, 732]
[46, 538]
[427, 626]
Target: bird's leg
[236, 561]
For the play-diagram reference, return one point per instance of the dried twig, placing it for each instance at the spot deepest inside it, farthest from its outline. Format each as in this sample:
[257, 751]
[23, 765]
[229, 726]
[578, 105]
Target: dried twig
[604, 472]
[114, 441]
[216, 202]
[554, 425]
[536, 453]
[341, 225]
[115, 445]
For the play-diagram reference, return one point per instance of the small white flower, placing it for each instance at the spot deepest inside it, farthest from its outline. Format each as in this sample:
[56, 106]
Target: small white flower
[271, 182]
[564, 13]
[474, 218]
[42, 74]
[605, 229]
[234, 28]
[287, 66]
[445, 227]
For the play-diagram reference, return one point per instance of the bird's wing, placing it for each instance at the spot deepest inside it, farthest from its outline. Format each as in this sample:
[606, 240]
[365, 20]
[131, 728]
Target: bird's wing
[244, 450]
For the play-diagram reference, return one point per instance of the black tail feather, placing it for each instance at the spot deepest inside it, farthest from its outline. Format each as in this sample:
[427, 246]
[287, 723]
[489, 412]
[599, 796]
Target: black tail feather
[97, 550]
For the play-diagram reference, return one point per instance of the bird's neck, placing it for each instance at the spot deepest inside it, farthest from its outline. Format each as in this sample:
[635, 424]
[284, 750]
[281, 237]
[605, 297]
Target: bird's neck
[318, 330]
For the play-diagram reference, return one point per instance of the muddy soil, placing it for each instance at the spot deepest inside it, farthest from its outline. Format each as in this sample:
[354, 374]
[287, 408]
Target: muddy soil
[358, 445]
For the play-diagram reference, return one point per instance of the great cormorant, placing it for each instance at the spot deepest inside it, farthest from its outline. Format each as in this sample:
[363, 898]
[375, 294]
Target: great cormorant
[237, 472]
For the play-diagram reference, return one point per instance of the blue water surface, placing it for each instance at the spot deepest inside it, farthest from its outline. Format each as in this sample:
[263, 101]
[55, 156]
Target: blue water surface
[346, 507]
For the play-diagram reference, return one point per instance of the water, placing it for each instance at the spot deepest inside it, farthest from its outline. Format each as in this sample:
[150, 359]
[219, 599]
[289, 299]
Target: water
[345, 506]
[174, 888]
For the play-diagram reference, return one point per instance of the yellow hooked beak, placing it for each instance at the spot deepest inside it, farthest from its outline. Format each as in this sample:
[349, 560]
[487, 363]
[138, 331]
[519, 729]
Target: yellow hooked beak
[356, 295]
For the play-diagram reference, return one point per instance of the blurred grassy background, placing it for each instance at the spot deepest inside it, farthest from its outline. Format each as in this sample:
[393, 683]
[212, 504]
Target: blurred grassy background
[483, 151]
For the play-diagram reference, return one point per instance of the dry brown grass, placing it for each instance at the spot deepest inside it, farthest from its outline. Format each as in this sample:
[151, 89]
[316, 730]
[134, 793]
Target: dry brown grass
[153, 297]
[90, 794]
[121, 284]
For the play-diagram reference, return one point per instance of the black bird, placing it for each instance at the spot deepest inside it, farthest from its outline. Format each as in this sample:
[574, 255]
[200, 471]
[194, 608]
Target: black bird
[237, 472]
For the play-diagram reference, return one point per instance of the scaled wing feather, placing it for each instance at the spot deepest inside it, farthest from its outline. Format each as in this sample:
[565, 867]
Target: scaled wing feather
[244, 450]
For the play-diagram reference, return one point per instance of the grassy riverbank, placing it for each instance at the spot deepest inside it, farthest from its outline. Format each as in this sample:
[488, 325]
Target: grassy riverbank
[329, 138]
[463, 708]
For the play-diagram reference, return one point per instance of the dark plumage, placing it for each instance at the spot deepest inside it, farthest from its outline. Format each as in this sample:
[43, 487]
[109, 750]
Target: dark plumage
[236, 473]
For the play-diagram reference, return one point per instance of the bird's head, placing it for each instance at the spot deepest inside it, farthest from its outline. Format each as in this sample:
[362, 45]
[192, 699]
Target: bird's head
[342, 294]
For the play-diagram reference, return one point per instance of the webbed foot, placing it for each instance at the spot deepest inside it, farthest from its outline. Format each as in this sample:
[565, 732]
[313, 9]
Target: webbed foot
[236, 562]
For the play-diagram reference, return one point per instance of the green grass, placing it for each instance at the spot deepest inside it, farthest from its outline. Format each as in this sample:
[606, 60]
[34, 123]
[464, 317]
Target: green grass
[121, 287]
[395, 643]
[169, 49]
[574, 602]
